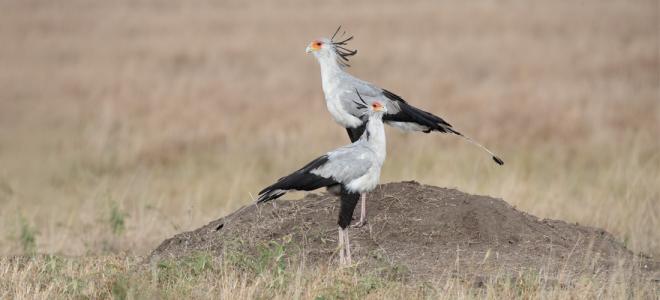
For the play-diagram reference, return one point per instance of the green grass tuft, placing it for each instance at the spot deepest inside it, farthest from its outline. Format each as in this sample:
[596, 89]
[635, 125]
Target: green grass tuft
[117, 219]
[27, 237]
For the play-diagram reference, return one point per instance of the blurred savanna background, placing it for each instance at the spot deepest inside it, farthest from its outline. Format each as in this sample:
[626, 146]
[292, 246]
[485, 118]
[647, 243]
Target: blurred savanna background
[123, 123]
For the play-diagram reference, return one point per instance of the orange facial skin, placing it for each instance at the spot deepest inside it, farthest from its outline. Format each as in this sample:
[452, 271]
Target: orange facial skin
[315, 45]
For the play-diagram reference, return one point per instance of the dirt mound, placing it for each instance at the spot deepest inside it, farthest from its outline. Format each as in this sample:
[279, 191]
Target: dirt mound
[428, 231]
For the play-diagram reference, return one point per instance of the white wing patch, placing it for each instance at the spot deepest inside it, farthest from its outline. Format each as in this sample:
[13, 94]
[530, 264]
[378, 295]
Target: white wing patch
[408, 126]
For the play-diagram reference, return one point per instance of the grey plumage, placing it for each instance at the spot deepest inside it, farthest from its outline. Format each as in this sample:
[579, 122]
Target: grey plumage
[339, 88]
[347, 163]
[350, 170]
[355, 167]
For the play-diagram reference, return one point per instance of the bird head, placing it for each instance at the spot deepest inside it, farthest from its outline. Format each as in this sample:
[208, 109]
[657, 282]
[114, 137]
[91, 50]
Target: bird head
[329, 48]
[378, 107]
[375, 107]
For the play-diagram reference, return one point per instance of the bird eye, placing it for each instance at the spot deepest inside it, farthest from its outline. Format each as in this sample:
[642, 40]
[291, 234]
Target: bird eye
[318, 44]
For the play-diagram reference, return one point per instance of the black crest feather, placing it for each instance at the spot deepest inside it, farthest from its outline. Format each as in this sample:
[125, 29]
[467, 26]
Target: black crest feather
[359, 105]
[343, 52]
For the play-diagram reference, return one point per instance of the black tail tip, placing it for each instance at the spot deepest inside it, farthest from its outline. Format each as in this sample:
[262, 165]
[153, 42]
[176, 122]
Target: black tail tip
[498, 160]
[270, 195]
[263, 198]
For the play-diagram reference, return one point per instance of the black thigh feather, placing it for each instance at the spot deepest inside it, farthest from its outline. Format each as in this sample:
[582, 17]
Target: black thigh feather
[355, 133]
[348, 201]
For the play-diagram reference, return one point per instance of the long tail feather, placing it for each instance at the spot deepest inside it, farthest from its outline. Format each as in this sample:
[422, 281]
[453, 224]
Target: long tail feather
[429, 121]
[498, 160]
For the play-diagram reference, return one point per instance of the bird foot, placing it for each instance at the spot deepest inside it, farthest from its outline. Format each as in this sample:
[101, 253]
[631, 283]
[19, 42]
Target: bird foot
[359, 224]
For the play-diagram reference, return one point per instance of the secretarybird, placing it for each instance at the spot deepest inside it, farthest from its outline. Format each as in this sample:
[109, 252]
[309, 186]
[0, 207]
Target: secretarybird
[338, 85]
[348, 171]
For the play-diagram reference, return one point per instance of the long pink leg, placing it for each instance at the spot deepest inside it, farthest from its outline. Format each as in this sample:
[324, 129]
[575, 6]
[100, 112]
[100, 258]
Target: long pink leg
[342, 253]
[348, 248]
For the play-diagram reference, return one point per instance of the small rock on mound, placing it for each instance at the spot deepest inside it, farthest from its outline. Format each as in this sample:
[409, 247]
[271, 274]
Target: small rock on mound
[431, 232]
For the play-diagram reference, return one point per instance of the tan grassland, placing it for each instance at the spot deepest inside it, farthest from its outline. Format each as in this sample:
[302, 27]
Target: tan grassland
[125, 122]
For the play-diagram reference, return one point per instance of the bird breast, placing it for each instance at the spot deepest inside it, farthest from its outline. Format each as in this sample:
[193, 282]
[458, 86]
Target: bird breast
[366, 182]
[339, 113]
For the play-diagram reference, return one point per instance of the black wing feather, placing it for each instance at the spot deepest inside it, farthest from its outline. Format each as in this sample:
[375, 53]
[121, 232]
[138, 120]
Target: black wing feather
[301, 180]
[415, 115]
[411, 114]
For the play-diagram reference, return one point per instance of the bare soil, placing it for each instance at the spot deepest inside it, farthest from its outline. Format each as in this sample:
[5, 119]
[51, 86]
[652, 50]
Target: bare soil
[423, 231]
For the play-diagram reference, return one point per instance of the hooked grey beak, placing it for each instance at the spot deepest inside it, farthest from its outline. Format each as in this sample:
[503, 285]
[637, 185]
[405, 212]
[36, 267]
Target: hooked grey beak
[308, 49]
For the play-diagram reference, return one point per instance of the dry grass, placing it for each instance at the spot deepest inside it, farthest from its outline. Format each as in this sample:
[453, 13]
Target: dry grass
[123, 122]
[200, 276]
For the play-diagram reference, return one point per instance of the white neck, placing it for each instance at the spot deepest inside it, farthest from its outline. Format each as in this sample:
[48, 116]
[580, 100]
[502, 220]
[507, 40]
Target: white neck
[330, 69]
[374, 136]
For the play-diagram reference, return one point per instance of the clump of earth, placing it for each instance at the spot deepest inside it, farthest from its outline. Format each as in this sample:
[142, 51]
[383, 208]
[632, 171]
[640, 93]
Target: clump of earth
[428, 232]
